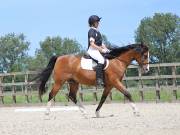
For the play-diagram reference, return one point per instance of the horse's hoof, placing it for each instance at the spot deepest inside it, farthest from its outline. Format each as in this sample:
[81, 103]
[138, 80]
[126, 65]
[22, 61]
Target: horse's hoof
[79, 104]
[85, 116]
[97, 114]
[46, 116]
[83, 111]
[54, 117]
[137, 114]
[47, 112]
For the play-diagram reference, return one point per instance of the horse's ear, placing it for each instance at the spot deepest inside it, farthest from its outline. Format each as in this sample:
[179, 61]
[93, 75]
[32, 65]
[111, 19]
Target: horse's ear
[142, 43]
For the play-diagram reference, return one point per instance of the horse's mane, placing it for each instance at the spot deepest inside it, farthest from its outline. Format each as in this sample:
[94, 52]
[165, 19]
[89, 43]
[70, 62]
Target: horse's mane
[117, 51]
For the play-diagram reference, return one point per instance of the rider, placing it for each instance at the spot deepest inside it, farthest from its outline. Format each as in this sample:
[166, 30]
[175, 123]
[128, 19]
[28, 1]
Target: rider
[96, 47]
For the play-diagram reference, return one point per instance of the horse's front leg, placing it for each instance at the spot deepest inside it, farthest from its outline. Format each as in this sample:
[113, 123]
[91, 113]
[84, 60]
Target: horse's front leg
[120, 87]
[103, 98]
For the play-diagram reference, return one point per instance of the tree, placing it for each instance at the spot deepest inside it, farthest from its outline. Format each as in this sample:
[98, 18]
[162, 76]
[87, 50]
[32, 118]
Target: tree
[162, 34]
[13, 52]
[53, 46]
[58, 46]
[37, 62]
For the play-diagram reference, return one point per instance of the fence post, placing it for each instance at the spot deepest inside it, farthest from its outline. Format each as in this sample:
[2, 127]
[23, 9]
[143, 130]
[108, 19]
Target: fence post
[1, 90]
[13, 89]
[95, 96]
[110, 95]
[29, 88]
[126, 85]
[68, 90]
[141, 92]
[174, 83]
[125, 81]
[158, 97]
[67, 96]
[81, 93]
[26, 89]
[39, 96]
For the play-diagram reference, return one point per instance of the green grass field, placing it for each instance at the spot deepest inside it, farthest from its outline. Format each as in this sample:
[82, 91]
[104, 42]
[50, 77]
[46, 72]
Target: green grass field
[165, 96]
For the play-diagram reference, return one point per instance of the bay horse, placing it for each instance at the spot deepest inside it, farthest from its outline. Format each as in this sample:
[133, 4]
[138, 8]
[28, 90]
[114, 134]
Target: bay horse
[68, 68]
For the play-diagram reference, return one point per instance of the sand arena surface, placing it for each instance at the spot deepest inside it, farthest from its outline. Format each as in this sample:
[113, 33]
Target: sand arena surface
[155, 119]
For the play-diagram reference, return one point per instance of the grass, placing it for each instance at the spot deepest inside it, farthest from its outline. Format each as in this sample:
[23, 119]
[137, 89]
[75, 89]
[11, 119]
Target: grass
[149, 95]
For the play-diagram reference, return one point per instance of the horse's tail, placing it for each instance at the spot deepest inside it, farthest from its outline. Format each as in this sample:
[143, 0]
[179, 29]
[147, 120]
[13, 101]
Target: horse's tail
[45, 74]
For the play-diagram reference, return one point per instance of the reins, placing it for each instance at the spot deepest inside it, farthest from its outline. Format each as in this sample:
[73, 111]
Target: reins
[127, 62]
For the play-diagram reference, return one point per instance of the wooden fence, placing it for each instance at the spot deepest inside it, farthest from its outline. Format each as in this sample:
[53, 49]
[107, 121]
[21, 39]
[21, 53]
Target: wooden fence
[17, 84]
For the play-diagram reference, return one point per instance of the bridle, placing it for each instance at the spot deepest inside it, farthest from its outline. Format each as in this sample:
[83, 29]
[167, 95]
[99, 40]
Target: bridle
[142, 63]
[143, 59]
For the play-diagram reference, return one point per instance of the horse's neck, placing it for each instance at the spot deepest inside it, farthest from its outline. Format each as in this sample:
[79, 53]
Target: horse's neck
[127, 57]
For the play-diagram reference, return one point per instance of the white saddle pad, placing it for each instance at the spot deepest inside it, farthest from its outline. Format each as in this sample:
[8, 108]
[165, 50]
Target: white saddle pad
[88, 64]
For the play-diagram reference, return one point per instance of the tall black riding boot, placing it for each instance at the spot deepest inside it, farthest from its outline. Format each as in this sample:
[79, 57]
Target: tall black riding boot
[100, 76]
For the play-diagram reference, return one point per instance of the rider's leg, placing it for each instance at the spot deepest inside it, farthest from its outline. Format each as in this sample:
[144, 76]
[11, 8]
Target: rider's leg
[95, 54]
[99, 75]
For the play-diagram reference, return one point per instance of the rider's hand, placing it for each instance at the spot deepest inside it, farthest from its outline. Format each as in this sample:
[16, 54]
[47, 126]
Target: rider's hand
[108, 51]
[104, 50]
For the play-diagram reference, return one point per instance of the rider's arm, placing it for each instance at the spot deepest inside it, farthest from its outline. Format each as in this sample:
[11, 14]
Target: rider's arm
[93, 45]
[92, 35]
[104, 46]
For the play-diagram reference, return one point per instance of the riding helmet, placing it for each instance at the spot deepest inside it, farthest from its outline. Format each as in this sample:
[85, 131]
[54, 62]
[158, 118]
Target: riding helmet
[93, 19]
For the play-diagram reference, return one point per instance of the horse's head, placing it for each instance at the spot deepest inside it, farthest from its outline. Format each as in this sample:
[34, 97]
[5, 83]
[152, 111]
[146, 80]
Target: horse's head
[139, 52]
[142, 57]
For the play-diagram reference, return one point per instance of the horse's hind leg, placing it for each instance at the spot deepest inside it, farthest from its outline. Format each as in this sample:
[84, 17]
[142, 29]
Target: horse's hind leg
[73, 85]
[57, 85]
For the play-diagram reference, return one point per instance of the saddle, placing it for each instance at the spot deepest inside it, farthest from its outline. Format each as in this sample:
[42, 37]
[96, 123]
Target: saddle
[88, 63]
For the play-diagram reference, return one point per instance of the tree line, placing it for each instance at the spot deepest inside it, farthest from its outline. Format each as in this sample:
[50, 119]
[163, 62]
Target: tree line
[161, 33]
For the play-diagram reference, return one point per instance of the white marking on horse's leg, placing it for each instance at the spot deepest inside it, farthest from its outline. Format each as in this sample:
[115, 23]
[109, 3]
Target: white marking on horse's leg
[80, 105]
[97, 114]
[82, 109]
[135, 109]
[49, 106]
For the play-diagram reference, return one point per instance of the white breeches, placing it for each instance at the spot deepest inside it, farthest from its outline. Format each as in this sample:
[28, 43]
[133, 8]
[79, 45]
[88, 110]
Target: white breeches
[95, 54]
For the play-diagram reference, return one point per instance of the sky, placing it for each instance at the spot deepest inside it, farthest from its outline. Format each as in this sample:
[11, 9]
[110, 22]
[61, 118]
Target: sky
[38, 19]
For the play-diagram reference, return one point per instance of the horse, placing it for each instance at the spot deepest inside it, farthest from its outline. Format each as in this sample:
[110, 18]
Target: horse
[67, 68]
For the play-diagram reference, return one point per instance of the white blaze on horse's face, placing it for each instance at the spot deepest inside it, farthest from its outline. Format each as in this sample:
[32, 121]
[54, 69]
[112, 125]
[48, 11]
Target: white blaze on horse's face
[148, 62]
[146, 66]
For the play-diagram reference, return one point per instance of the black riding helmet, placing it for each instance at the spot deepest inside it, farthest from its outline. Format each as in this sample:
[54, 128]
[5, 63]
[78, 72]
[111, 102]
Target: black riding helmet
[93, 19]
